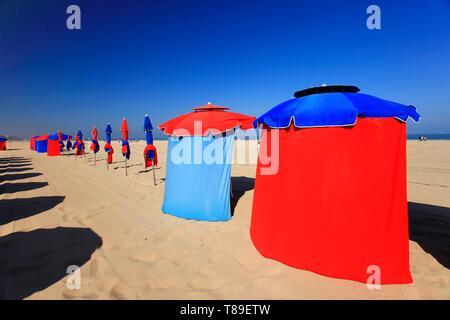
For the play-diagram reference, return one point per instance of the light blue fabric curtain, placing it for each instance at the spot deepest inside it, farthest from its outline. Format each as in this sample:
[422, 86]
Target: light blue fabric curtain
[198, 178]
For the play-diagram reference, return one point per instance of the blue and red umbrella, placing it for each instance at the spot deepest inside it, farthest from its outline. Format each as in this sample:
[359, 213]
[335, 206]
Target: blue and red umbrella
[150, 154]
[60, 140]
[68, 143]
[95, 147]
[108, 147]
[79, 144]
[3, 143]
[125, 145]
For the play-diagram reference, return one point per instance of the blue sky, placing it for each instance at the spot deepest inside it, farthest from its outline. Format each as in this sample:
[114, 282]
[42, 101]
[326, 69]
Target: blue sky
[165, 57]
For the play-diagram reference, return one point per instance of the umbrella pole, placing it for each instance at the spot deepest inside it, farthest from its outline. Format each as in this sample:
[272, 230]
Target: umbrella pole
[126, 167]
[154, 175]
[95, 159]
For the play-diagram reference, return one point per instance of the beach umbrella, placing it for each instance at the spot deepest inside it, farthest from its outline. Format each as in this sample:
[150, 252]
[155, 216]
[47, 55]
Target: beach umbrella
[150, 154]
[61, 138]
[148, 130]
[108, 147]
[94, 144]
[79, 144]
[199, 157]
[125, 144]
[68, 143]
[330, 187]
[205, 120]
[3, 142]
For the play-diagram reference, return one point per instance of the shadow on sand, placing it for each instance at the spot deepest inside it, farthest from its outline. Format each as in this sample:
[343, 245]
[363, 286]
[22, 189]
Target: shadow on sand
[13, 160]
[15, 165]
[239, 186]
[32, 261]
[429, 226]
[18, 176]
[14, 169]
[17, 209]
[18, 187]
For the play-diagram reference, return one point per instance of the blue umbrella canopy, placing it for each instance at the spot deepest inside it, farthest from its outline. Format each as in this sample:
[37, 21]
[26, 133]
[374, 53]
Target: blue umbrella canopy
[108, 133]
[3, 139]
[79, 134]
[148, 130]
[330, 106]
[55, 136]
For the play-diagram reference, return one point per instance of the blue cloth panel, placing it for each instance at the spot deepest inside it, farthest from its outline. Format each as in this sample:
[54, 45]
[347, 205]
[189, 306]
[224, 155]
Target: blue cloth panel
[198, 178]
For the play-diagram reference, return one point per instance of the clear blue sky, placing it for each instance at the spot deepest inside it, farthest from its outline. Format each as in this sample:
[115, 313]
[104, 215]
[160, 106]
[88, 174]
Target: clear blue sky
[165, 57]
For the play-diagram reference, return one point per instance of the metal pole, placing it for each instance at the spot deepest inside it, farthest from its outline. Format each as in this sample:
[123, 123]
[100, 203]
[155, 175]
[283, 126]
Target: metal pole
[126, 168]
[154, 175]
[95, 159]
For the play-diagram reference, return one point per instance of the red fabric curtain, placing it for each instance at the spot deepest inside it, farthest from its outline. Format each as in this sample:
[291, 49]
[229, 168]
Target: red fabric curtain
[337, 205]
[53, 148]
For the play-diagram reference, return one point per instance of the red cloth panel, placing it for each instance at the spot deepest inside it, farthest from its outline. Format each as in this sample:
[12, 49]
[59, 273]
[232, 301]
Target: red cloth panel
[338, 202]
[53, 148]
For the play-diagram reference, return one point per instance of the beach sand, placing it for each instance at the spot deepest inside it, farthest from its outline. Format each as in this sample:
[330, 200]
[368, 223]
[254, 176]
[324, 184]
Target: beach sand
[58, 211]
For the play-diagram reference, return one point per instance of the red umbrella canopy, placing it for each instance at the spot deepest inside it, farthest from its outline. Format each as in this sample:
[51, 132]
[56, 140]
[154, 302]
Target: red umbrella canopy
[94, 133]
[206, 119]
[124, 129]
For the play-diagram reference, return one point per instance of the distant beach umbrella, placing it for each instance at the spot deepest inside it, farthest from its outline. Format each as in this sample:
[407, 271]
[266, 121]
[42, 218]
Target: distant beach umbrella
[3, 142]
[68, 143]
[79, 144]
[124, 129]
[79, 135]
[108, 133]
[150, 154]
[95, 147]
[148, 130]
[60, 140]
[94, 133]
[108, 147]
[125, 144]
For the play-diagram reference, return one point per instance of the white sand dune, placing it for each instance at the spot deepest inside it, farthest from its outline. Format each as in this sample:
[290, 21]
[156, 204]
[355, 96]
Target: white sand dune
[58, 211]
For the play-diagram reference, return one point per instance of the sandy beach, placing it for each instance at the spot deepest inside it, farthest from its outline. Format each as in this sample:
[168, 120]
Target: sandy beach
[61, 211]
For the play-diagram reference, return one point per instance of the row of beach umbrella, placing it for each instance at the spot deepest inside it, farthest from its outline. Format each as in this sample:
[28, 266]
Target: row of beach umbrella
[54, 144]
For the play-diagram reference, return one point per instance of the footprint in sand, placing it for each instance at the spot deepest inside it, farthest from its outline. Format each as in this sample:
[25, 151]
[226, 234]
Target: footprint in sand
[122, 291]
[120, 246]
[66, 217]
[80, 294]
[160, 283]
[206, 283]
[85, 221]
[147, 257]
[98, 266]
